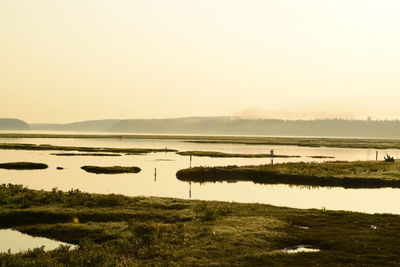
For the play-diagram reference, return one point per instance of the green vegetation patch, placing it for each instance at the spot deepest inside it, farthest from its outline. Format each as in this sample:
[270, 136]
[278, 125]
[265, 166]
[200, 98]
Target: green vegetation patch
[23, 166]
[359, 174]
[111, 169]
[114, 230]
[213, 154]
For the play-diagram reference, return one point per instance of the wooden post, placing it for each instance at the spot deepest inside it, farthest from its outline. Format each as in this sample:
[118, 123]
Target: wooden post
[155, 174]
[376, 155]
[190, 189]
[271, 155]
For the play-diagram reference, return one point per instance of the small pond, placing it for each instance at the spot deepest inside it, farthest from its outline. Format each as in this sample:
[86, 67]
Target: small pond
[17, 242]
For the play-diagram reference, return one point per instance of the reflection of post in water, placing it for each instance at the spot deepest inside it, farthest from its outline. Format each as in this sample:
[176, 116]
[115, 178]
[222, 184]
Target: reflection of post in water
[190, 165]
[271, 155]
[190, 189]
[155, 174]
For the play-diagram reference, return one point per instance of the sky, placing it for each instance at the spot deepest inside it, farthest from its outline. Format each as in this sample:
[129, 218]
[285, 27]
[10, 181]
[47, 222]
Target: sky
[74, 60]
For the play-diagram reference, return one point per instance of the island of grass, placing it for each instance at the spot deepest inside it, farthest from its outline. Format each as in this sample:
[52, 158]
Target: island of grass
[111, 169]
[214, 154]
[115, 230]
[359, 174]
[13, 146]
[23, 166]
[87, 154]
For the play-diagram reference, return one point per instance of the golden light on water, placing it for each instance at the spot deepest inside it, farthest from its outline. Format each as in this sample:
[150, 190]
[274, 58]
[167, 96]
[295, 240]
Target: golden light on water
[75, 220]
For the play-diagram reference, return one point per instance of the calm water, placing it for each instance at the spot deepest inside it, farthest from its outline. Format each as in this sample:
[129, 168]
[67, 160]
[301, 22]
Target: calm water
[17, 242]
[167, 164]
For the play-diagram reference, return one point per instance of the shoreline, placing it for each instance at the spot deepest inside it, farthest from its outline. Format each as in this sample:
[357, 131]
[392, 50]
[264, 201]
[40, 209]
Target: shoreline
[358, 174]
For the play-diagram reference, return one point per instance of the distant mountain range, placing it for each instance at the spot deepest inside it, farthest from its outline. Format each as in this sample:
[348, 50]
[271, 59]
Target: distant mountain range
[223, 126]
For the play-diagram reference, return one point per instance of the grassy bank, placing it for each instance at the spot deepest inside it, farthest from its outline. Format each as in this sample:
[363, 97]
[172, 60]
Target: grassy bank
[23, 166]
[87, 154]
[359, 174]
[114, 230]
[295, 141]
[111, 169]
[213, 154]
[12, 146]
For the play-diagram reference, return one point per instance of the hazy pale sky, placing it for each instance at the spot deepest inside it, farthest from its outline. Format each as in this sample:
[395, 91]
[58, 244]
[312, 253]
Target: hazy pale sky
[70, 60]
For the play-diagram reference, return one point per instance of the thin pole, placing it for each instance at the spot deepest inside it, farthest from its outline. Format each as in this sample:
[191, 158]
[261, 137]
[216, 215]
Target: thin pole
[271, 154]
[155, 174]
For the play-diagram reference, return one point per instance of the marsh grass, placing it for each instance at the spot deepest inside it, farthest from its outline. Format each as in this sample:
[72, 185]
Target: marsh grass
[359, 174]
[213, 154]
[295, 141]
[87, 154]
[13, 146]
[110, 169]
[321, 157]
[305, 142]
[23, 166]
[149, 231]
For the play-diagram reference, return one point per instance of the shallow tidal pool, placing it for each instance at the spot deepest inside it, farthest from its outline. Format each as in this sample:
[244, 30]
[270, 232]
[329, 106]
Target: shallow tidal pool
[14, 241]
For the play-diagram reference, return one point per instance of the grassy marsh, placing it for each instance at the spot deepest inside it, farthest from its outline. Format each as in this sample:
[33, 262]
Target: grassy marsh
[23, 166]
[305, 142]
[295, 141]
[14, 146]
[111, 169]
[114, 230]
[359, 174]
[214, 154]
[87, 154]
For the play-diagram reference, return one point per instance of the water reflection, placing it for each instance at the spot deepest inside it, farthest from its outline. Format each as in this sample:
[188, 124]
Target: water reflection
[300, 248]
[149, 182]
[17, 242]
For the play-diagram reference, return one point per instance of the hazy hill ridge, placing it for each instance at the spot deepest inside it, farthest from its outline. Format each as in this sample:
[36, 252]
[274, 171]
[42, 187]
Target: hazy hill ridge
[238, 126]
[224, 126]
[13, 124]
[88, 126]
